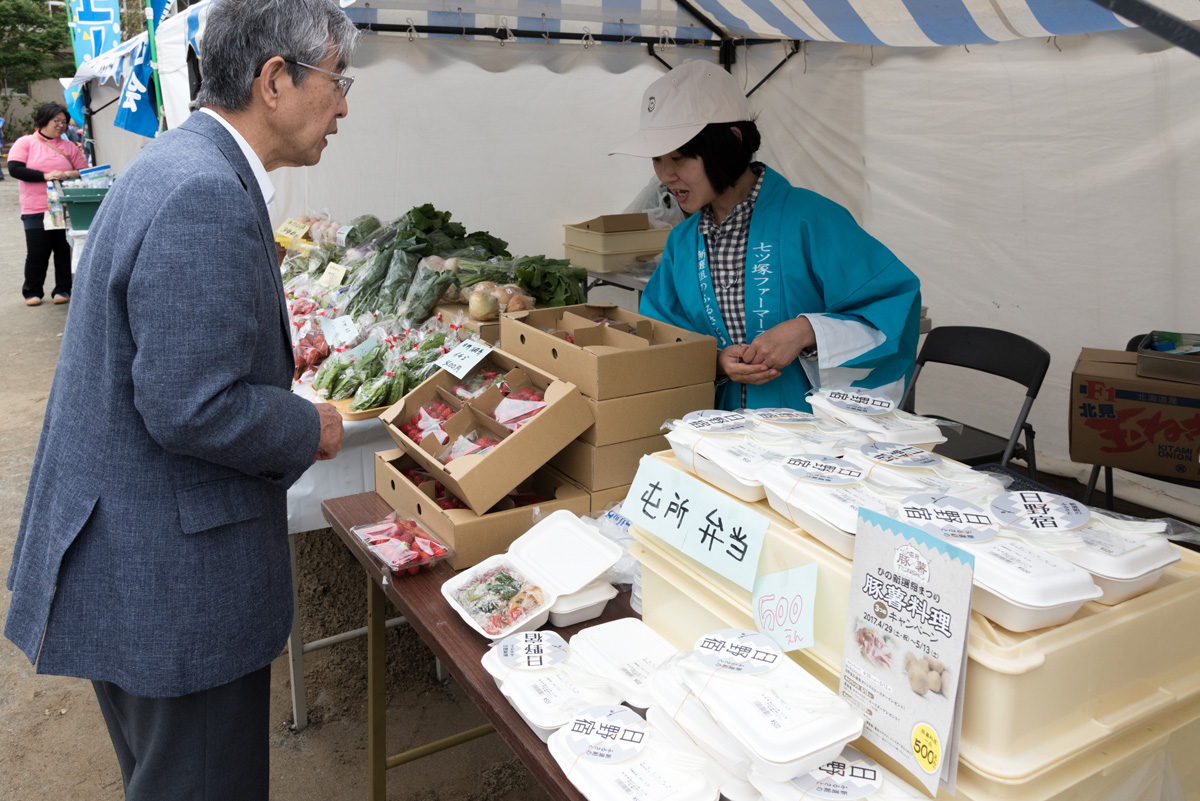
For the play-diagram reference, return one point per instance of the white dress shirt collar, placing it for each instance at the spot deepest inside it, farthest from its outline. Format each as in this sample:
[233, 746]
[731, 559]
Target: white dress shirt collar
[260, 172]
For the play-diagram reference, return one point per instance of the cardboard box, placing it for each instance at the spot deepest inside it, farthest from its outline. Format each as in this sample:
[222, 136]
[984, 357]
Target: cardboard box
[638, 416]
[488, 331]
[605, 361]
[1168, 365]
[473, 537]
[605, 467]
[482, 480]
[609, 261]
[615, 223]
[1121, 419]
[589, 236]
[601, 499]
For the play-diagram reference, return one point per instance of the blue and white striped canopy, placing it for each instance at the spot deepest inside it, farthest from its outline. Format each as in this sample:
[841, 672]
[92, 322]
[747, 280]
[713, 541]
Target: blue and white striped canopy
[902, 23]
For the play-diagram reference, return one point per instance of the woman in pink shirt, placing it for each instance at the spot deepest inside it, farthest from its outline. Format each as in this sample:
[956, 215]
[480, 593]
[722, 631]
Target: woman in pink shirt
[33, 160]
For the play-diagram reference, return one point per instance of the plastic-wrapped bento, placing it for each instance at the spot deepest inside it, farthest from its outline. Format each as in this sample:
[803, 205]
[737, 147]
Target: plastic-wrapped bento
[543, 680]
[604, 751]
[786, 721]
[879, 416]
[1125, 557]
[726, 449]
[851, 775]
[904, 466]
[515, 591]
[627, 652]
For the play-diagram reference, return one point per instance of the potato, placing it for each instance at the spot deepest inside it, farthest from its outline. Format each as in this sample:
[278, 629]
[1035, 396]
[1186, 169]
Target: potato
[923, 662]
[935, 664]
[909, 660]
[918, 681]
[934, 680]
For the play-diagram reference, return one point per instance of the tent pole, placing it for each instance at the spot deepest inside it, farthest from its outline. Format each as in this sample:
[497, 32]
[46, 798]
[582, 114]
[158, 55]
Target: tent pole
[505, 34]
[701, 18]
[793, 49]
[150, 22]
[1166, 26]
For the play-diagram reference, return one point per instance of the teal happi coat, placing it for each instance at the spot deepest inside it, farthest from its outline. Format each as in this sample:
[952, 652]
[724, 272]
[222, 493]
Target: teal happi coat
[806, 256]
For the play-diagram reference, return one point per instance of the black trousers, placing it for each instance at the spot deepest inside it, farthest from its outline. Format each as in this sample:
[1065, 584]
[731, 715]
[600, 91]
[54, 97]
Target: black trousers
[39, 245]
[207, 746]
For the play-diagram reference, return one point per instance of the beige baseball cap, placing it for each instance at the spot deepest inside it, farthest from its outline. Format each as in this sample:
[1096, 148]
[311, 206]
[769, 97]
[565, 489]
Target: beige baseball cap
[680, 104]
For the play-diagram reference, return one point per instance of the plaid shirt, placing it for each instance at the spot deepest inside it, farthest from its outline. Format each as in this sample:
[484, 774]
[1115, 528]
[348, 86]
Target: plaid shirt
[728, 244]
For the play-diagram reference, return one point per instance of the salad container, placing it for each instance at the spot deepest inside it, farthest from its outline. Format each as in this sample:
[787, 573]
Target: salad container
[627, 653]
[543, 681]
[514, 591]
[578, 607]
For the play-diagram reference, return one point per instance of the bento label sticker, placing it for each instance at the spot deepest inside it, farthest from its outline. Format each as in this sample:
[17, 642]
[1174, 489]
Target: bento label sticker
[738, 651]
[607, 734]
[788, 416]
[948, 518]
[860, 402]
[531, 650]
[852, 775]
[826, 470]
[897, 455]
[1040, 511]
[710, 421]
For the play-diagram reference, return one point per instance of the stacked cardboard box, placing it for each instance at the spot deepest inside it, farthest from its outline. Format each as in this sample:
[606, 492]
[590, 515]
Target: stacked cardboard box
[484, 482]
[634, 373]
[613, 243]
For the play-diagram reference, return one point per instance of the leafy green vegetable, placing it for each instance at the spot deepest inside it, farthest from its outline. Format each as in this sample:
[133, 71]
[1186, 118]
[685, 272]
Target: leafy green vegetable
[427, 287]
[360, 228]
[552, 282]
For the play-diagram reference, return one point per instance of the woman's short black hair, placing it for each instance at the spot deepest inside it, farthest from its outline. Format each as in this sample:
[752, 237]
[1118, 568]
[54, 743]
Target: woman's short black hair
[725, 156]
[48, 112]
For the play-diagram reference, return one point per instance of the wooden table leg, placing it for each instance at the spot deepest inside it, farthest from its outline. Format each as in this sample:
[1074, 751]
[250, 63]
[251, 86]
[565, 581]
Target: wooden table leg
[376, 693]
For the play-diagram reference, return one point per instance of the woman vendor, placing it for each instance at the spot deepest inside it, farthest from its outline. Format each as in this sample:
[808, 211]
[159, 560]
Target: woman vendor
[796, 293]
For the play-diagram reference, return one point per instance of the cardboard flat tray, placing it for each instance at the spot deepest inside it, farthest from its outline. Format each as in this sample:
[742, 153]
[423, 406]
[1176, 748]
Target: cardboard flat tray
[1167, 365]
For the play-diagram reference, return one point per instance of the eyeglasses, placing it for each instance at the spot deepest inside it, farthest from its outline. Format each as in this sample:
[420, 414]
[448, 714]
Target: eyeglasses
[344, 82]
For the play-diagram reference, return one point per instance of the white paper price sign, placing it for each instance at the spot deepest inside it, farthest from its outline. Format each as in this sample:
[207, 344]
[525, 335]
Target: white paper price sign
[465, 356]
[783, 606]
[698, 520]
[339, 331]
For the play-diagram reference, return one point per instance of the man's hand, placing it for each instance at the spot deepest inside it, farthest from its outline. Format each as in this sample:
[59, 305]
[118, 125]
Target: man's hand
[332, 432]
[779, 346]
[731, 362]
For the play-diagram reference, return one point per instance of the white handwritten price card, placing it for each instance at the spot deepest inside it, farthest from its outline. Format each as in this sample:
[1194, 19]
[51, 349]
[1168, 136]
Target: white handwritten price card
[701, 521]
[783, 606]
[905, 656]
[291, 229]
[338, 331]
[465, 355]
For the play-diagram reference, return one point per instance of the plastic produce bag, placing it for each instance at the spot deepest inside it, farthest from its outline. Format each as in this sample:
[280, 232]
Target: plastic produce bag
[473, 442]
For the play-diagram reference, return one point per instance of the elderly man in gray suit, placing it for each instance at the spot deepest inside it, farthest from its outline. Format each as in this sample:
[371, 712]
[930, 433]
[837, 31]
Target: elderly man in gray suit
[152, 556]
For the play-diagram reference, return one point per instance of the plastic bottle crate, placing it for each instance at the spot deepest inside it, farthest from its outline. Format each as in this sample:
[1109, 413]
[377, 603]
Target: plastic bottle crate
[1126, 765]
[1032, 699]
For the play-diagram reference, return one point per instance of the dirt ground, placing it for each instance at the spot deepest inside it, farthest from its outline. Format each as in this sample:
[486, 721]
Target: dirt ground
[53, 744]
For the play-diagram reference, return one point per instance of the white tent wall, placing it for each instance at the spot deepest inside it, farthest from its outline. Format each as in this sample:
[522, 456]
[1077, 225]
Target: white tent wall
[1043, 187]
[510, 139]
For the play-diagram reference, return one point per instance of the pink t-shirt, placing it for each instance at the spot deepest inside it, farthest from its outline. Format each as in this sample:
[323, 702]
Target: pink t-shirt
[37, 154]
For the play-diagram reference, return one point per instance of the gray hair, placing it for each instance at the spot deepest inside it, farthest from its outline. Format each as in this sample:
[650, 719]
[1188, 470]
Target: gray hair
[242, 35]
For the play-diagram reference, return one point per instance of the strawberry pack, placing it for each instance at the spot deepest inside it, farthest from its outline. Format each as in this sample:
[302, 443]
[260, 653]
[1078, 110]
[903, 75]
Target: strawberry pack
[401, 544]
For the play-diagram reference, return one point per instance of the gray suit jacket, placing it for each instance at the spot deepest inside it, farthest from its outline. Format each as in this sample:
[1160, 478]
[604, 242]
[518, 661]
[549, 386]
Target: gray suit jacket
[153, 545]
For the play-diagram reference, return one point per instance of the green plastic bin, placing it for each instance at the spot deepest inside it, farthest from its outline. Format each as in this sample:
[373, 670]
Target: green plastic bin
[82, 205]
